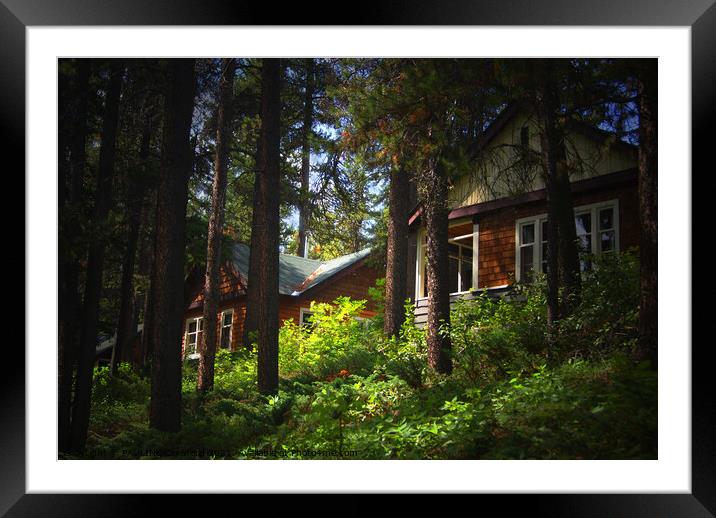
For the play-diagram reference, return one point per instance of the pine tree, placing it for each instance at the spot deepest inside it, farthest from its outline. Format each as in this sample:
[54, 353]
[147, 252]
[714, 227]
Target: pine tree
[396, 272]
[307, 137]
[208, 344]
[167, 284]
[648, 245]
[72, 170]
[267, 228]
[126, 321]
[95, 260]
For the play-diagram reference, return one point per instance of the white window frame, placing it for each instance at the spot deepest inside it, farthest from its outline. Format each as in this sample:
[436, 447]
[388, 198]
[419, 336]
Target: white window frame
[420, 262]
[304, 311]
[230, 326]
[199, 328]
[592, 209]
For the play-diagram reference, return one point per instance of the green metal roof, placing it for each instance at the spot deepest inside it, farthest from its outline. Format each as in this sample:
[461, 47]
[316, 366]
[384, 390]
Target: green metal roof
[297, 274]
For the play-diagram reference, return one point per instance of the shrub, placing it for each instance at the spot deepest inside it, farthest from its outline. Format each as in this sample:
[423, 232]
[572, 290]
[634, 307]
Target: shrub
[603, 409]
[119, 400]
[606, 318]
[406, 356]
[335, 340]
[494, 337]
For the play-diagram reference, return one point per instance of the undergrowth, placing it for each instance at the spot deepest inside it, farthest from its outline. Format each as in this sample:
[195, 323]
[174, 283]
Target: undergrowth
[348, 392]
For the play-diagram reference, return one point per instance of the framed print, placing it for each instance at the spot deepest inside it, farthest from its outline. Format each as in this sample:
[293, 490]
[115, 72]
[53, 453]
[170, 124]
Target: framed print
[680, 482]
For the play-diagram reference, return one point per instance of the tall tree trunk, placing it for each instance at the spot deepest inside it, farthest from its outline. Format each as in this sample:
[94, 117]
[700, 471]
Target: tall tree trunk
[648, 175]
[434, 191]
[69, 263]
[168, 271]
[267, 227]
[146, 345]
[145, 258]
[95, 261]
[569, 270]
[396, 271]
[135, 199]
[216, 224]
[251, 319]
[552, 261]
[303, 214]
[563, 253]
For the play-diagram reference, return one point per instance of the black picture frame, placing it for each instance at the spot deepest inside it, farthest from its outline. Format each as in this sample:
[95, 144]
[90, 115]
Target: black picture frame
[700, 15]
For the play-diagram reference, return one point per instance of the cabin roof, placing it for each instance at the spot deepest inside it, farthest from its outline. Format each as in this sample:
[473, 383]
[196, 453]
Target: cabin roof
[298, 274]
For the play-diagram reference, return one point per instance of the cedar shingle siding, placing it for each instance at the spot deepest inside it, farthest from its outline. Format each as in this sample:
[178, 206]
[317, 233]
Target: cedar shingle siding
[497, 231]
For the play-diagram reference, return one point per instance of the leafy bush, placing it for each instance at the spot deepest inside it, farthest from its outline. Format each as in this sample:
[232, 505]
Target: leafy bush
[406, 355]
[492, 338]
[335, 340]
[606, 318]
[118, 400]
[591, 410]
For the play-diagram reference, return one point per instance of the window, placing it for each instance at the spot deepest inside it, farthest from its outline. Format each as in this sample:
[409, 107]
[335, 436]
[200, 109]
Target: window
[527, 245]
[583, 221]
[227, 318]
[597, 233]
[305, 318]
[462, 259]
[193, 336]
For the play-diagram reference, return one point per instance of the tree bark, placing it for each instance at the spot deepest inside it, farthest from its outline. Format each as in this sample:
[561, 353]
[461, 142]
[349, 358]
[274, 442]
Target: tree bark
[251, 318]
[563, 254]
[552, 261]
[135, 199]
[434, 191]
[145, 258]
[648, 249]
[396, 272]
[71, 194]
[95, 261]
[146, 345]
[303, 214]
[569, 269]
[207, 347]
[168, 271]
[267, 228]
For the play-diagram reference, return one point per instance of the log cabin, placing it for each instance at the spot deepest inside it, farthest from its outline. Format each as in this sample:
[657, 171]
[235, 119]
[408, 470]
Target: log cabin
[498, 212]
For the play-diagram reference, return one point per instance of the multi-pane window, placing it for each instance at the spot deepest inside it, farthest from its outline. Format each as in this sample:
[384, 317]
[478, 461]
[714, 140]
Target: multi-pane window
[532, 246]
[193, 336]
[461, 262]
[597, 233]
[305, 318]
[607, 230]
[227, 318]
[527, 247]
[583, 222]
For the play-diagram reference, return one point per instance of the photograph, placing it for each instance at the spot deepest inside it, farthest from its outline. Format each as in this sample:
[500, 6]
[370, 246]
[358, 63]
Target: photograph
[418, 255]
[357, 258]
